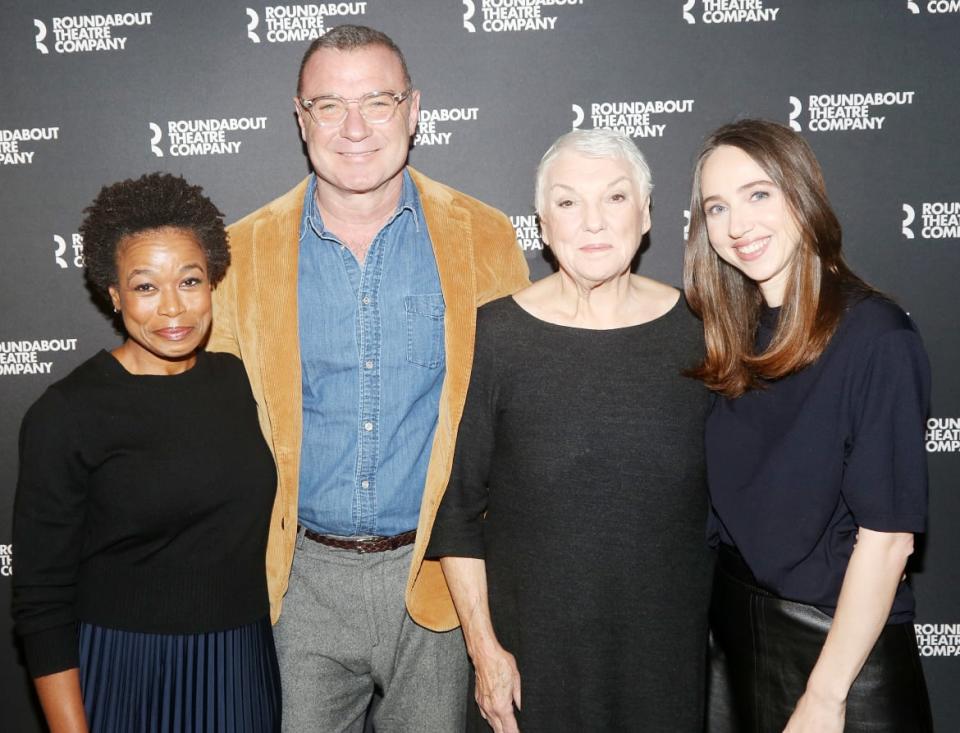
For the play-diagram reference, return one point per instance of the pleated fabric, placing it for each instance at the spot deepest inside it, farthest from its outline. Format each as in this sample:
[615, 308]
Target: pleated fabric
[217, 682]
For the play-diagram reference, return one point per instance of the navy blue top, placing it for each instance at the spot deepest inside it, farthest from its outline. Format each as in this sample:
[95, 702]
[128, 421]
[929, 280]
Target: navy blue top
[797, 467]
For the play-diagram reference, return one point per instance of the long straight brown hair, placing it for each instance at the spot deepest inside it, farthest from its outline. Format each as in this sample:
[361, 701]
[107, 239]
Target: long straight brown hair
[729, 303]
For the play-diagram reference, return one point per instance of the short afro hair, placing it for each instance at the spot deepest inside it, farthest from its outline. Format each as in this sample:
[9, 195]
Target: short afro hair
[153, 201]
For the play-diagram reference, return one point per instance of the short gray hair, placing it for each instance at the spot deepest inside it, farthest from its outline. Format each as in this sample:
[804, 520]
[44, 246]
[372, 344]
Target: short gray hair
[350, 38]
[597, 143]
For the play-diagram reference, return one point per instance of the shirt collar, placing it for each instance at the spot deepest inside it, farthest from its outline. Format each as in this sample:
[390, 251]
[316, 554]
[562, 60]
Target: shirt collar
[311, 219]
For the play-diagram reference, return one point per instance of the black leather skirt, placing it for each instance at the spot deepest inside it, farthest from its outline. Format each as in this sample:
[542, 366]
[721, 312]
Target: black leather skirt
[763, 649]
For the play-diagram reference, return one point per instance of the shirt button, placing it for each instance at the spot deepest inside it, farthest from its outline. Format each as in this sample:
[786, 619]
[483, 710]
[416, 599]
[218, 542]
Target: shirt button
[364, 484]
[368, 426]
[366, 300]
[368, 364]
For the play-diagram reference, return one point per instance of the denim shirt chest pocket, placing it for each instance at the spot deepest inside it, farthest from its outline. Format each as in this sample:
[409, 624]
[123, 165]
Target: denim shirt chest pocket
[424, 316]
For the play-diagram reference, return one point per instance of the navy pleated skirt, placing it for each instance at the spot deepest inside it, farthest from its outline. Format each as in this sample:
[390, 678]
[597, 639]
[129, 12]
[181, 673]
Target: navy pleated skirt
[218, 682]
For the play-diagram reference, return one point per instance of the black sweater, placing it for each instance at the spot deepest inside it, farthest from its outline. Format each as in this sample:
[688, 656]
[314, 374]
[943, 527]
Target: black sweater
[143, 503]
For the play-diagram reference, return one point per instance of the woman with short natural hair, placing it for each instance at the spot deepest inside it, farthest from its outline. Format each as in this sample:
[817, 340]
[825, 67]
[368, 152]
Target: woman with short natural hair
[144, 495]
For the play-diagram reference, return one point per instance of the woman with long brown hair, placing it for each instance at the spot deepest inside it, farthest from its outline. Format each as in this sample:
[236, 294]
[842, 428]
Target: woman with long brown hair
[815, 454]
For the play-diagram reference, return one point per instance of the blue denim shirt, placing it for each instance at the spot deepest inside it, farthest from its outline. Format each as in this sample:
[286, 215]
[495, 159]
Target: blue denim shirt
[372, 357]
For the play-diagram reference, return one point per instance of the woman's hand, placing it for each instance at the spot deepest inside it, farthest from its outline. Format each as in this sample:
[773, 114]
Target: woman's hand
[866, 597]
[498, 679]
[498, 688]
[816, 713]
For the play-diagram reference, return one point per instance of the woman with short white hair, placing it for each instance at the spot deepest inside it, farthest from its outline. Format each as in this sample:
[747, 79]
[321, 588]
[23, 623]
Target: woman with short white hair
[571, 532]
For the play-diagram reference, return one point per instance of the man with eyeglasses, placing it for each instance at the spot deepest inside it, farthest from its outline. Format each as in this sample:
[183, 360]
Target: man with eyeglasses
[351, 300]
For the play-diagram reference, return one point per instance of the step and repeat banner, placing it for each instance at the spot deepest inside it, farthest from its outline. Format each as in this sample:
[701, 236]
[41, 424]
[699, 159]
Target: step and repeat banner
[97, 91]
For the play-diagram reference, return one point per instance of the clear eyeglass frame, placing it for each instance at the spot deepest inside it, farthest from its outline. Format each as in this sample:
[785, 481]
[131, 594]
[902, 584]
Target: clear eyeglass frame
[376, 108]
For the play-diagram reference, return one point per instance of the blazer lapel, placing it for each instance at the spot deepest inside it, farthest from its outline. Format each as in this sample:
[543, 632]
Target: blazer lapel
[452, 239]
[276, 258]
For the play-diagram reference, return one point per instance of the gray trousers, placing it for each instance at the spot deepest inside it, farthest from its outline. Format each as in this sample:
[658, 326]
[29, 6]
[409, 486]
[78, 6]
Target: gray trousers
[345, 640]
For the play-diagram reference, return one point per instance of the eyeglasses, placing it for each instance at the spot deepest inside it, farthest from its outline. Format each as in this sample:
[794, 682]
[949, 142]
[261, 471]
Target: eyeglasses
[375, 107]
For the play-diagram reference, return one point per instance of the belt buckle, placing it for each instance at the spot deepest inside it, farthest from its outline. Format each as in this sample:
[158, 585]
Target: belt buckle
[363, 544]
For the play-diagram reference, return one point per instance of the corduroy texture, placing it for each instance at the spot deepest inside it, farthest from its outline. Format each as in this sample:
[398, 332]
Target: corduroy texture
[219, 682]
[255, 317]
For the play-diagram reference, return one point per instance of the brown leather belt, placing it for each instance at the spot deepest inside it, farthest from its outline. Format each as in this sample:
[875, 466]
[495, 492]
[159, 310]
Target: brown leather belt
[363, 544]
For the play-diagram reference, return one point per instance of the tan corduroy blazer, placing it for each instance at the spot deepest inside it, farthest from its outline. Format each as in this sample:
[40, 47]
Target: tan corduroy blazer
[255, 317]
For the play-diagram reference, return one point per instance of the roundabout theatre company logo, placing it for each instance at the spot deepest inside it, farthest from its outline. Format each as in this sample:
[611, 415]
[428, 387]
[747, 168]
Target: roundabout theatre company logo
[729, 11]
[640, 118]
[12, 142]
[86, 33]
[64, 253]
[509, 16]
[846, 111]
[286, 23]
[202, 137]
[427, 132]
[938, 640]
[938, 220]
[943, 435]
[933, 6]
[528, 231]
[20, 357]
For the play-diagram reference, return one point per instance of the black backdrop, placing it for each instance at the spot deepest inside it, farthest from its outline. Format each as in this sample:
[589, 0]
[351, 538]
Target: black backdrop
[93, 92]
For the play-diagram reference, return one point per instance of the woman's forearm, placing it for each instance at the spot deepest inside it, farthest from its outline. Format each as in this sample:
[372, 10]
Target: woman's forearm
[497, 677]
[467, 580]
[866, 596]
[62, 702]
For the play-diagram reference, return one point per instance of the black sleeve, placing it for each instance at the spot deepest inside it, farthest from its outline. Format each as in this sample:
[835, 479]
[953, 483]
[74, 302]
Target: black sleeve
[458, 527]
[885, 476]
[48, 519]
